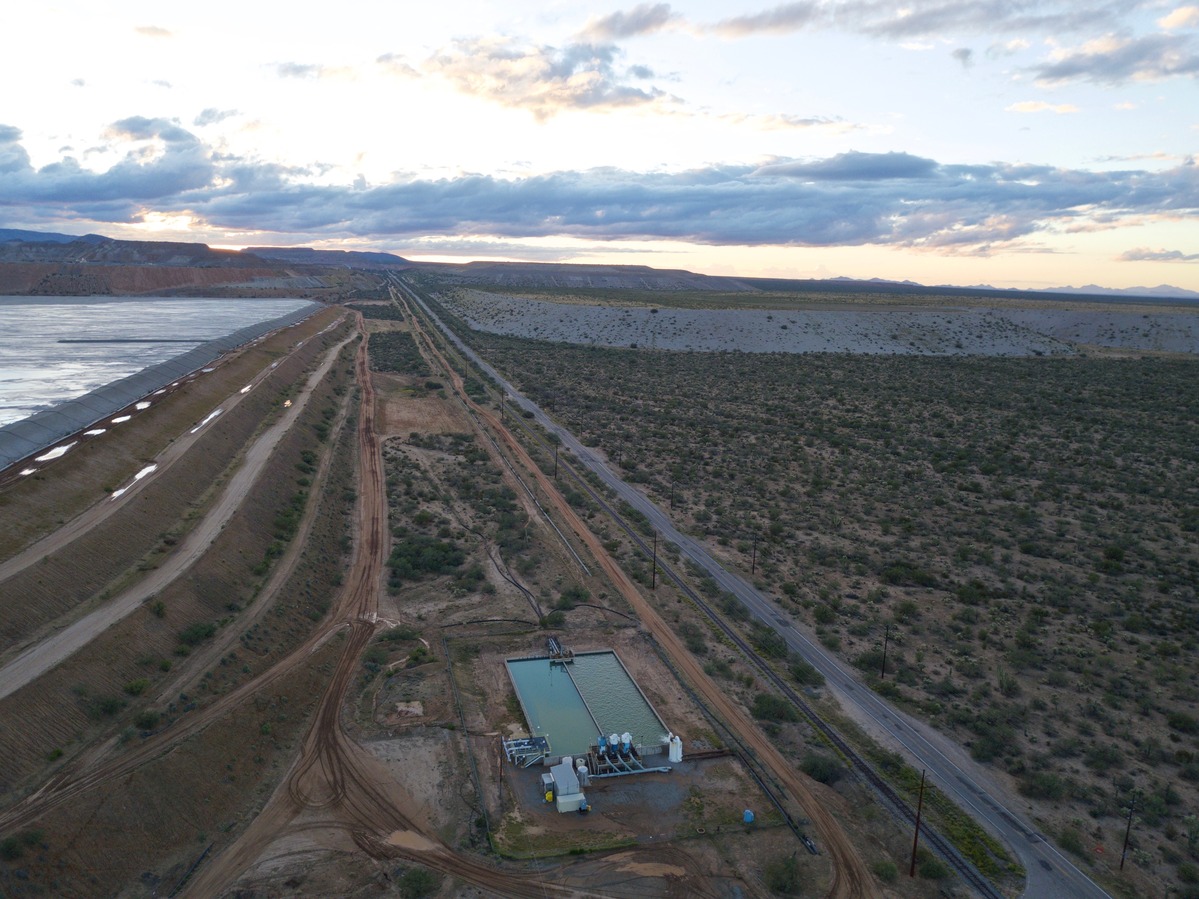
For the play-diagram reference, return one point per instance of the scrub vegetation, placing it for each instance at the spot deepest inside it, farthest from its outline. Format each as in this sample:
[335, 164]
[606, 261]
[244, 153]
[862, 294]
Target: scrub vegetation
[1022, 532]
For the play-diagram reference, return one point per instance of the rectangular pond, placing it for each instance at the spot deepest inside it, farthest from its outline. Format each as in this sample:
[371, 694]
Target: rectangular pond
[572, 703]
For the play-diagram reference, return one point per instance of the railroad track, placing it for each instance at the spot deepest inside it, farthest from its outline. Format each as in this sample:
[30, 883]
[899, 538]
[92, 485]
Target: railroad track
[858, 764]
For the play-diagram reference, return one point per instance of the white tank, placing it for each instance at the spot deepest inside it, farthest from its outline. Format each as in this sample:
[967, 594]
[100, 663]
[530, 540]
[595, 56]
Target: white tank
[676, 749]
[613, 741]
[568, 761]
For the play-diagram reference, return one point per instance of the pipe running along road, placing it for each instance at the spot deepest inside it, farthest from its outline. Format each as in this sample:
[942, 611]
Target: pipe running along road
[1049, 871]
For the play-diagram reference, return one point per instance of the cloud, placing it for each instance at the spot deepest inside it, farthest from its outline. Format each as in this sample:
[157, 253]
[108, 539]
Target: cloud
[641, 19]
[13, 157]
[964, 55]
[542, 79]
[851, 199]
[1041, 106]
[1183, 17]
[1115, 60]
[1007, 48]
[160, 160]
[930, 18]
[152, 31]
[779, 20]
[298, 70]
[854, 166]
[782, 121]
[1144, 254]
[397, 65]
[213, 116]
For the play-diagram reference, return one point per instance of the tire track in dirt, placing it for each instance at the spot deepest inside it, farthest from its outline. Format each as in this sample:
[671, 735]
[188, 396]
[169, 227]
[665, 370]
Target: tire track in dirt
[851, 879]
[41, 657]
[336, 782]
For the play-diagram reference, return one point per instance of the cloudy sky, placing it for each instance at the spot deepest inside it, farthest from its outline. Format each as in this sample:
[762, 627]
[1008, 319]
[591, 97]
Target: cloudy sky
[1028, 143]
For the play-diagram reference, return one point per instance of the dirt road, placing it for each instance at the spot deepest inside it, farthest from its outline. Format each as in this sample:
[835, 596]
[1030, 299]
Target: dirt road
[851, 879]
[41, 657]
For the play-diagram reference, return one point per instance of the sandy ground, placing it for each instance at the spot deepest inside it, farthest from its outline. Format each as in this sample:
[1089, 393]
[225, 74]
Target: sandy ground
[990, 331]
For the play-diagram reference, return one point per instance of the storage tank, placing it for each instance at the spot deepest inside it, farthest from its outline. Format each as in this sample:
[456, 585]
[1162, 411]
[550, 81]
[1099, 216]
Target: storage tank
[614, 742]
[584, 774]
[676, 749]
[626, 742]
[602, 743]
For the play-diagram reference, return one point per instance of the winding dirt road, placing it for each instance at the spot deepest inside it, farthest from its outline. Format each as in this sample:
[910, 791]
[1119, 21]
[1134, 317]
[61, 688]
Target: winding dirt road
[851, 878]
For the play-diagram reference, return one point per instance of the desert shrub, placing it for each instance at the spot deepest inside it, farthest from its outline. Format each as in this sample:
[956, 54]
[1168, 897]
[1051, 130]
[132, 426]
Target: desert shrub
[1043, 785]
[1182, 722]
[197, 633]
[768, 707]
[147, 719]
[693, 637]
[886, 871]
[782, 876]
[823, 768]
[933, 868]
[416, 883]
[420, 554]
[768, 641]
[804, 674]
[1070, 840]
[572, 596]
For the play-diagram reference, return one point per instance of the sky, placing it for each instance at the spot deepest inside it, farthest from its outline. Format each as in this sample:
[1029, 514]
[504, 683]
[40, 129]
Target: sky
[1016, 143]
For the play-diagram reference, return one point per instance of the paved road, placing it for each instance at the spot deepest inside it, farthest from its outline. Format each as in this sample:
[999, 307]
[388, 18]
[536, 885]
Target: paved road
[1050, 872]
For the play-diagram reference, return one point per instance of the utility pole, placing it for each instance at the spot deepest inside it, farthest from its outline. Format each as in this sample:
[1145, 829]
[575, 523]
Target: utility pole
[672, 491]
[916, 838]
[886, 639]
[654, 574]
[555, 461]
[753, 562]
[1128, 830]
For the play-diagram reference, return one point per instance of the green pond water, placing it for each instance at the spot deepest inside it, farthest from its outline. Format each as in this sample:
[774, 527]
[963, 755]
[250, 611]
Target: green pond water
[573, 704]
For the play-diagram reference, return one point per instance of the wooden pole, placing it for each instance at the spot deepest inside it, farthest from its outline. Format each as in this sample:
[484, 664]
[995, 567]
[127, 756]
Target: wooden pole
[654, 573]
[1128, 830]
[916, 838]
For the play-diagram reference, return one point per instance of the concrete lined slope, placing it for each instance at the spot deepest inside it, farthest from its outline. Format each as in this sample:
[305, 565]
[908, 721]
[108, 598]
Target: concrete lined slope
[37, 432]
[43, 656]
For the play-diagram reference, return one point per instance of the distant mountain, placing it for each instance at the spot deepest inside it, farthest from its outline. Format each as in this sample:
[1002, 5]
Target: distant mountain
[309, 256]
[17, 235]
[93, 250]
[1162, 291]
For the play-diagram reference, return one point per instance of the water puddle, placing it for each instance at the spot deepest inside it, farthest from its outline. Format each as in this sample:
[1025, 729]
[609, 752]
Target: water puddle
[94, 432]
[142, 406]
[121, 418]
[411, 840]
[27, 472]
